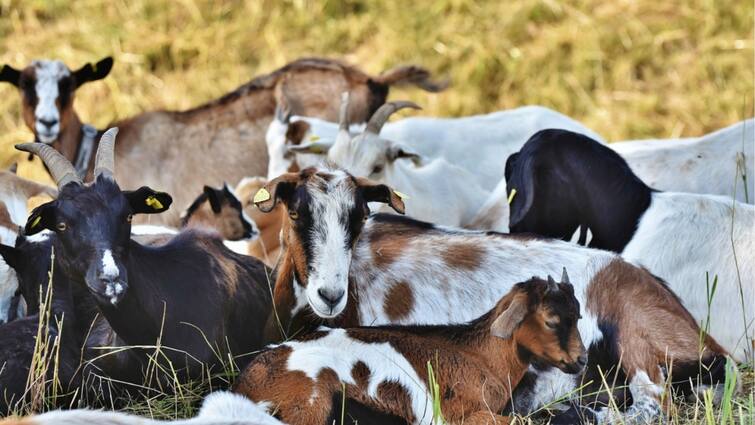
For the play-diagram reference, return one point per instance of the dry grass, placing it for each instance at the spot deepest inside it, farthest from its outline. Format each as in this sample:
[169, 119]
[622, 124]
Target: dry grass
[626, 68]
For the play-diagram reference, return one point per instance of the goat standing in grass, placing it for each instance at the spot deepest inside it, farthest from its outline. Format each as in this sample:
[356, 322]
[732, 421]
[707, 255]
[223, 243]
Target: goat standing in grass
[566, 181]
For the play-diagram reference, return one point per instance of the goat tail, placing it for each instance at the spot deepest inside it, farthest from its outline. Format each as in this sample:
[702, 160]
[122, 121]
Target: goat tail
[220, 408]
[411, 75]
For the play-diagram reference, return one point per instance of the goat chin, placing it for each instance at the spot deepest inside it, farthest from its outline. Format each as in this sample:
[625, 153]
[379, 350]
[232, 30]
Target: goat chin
[220, 408]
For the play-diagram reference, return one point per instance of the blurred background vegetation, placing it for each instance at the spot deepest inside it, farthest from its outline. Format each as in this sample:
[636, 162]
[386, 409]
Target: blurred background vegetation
[626, 68]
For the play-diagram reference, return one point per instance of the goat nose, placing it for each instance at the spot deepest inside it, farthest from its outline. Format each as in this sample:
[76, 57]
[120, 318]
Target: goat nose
[48, 123]
[582, 360]
[331, 297]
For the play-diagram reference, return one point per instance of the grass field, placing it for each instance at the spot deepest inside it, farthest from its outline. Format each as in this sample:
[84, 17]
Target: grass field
[626, 68]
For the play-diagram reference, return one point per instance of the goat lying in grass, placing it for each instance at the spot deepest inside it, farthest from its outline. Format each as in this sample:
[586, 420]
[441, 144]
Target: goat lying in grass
[476, 365]
[348, 268]
[565, 181]
[192, 296]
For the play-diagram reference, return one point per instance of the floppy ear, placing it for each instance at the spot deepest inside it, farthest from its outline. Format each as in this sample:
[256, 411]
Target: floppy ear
[319, 147]
[94, 72]
[396, 151]
[280, 188]
[41, 218]
[215, 198]
[147, 201]
[11, 255]
[10, 75]
[521, 174]
[507, 322]
[376, 192]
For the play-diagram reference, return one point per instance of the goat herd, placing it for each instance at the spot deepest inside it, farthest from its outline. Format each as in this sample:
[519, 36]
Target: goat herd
[537, 269]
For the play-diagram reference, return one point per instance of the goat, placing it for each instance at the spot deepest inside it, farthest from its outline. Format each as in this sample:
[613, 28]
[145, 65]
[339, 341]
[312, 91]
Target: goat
[349, 268]
[149, 295]
[387, 367]
[14, 193]
[221, 210]
[719, 163]
[209, 134]
[565, 181]
[477, 143]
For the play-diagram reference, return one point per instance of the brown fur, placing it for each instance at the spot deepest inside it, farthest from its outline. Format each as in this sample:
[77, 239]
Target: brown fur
[399, 301]
[464, 256]
[649, 316]
[5, 220]
[178, 152]
[475, 370]
[226, 222]
[10, 183]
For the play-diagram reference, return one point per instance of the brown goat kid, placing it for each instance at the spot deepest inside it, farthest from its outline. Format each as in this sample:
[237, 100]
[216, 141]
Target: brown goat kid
[267, 247]
[476, 365]
[223, 139]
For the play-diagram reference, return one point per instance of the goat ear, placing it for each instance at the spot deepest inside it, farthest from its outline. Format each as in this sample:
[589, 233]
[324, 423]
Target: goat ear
[507, 322]
[215, 198]
[520, 177]
[10, 75]
[280, 188]
[148, 201]
[319, 147]
[398, 151]
[11, 255]
[376, 192]
[41, 218]
[94, 72]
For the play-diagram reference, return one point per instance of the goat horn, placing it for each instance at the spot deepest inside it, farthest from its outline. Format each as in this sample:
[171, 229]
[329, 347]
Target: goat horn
[282, 114]
[343, 113]
[565, 277]
[104, 161]
[380, 116]
[61, 169]
[552, 285]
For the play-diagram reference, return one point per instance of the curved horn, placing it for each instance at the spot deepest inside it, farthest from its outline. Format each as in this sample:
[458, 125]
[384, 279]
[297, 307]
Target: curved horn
[380, 116]
[104, 161]
[61, 169]
[343, 112]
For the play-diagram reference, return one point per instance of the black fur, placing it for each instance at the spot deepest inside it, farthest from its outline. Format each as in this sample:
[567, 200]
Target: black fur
[91, 72]
[565, 180]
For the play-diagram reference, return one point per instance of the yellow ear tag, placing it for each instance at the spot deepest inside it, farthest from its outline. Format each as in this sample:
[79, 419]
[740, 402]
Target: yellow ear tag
[403, 196]
[314, 138]
[511, 195]
[262, 195]
[153, 202]
[36, 221]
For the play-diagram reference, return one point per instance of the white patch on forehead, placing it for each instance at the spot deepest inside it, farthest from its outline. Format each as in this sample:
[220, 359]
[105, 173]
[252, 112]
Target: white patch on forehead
[331, 254]
[47, 74]
[338, 352]
[109, 269]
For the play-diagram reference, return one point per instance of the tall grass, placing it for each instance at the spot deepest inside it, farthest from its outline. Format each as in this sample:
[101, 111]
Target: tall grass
[626, 68]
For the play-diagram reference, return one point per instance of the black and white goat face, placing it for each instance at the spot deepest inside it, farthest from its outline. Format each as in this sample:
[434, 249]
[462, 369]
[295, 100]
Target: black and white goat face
[327, 210]
[47, 89]
[92, 222]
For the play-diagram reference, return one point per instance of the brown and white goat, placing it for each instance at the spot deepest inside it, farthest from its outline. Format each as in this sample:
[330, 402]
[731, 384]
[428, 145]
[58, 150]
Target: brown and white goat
[476, 365]
[223, 139]
[348, 268]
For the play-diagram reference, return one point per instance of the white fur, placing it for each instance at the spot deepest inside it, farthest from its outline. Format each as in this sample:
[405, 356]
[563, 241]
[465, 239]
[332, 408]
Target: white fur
[331, 254]
[706, 164]
[224, 405]
[339, 353]
[8, 287]
[48, 73]
[150, 229]
[645, 407]
[109, 268]
[682, 236]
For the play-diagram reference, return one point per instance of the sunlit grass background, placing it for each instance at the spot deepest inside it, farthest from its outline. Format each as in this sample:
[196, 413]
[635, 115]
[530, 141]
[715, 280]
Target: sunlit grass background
[626, 68]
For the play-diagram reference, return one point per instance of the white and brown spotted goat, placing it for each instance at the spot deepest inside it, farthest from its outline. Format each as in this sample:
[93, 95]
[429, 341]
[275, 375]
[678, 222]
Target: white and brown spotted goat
[476, 365]
[349, 268]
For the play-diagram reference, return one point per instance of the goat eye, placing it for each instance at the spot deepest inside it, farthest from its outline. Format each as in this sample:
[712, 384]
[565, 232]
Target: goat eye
[551, 325]
[129, 218]
[377, 169]
[61, 227]
[293, 214]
